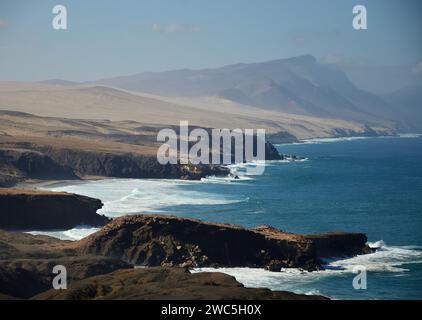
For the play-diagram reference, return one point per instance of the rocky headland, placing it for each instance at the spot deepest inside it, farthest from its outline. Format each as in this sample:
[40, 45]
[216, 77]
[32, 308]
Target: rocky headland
[43, 148]
[153, 240]
[22, 209]
[100, 266]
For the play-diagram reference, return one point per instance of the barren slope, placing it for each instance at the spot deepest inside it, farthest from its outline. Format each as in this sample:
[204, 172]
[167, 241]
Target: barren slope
[100, 102]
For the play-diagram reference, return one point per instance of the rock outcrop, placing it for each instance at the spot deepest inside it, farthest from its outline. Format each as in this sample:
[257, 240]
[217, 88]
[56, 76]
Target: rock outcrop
[66, 164]
[26, 271]
[24, 278]
[152, 240]
[41, 210]
[17, 165]
[165, 283]
[127, 165]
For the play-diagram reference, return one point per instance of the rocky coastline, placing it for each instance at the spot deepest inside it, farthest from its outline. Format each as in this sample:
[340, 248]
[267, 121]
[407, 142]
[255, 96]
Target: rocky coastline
[154, 240]
[27, 261]
[105, 265]
[46, 163]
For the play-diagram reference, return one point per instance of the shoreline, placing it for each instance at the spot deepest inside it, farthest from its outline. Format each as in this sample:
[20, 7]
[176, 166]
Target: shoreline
[41, 183]
[245, 275]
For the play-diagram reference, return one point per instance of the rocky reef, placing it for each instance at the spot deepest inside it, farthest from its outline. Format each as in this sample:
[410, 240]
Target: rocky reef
[41, 210]
[152, 240]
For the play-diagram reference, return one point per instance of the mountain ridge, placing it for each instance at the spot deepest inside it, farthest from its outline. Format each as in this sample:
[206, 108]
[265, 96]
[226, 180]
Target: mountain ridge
[298, 85]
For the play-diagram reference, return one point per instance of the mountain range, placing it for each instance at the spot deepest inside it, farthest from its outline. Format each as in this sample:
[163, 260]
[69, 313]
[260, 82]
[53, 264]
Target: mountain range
[299, 85]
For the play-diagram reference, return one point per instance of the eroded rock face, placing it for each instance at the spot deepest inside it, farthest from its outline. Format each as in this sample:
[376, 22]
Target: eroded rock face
[24, 278]
[165, 283]
[66, 164]
[42, 210]
[153, 240]
[17, 165]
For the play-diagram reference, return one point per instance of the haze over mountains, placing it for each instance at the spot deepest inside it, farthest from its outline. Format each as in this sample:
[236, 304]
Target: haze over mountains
[298, 85]
[99, 102]
[296, 97]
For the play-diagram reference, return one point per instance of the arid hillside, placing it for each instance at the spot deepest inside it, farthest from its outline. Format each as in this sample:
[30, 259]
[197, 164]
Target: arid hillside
[94, 102]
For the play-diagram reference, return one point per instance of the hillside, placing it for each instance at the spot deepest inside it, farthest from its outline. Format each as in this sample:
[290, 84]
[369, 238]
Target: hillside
[102, 103]
[298, 85]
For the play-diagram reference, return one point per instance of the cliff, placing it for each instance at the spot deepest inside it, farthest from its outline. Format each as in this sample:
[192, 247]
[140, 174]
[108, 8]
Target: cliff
[153, 240]
[20, 164]
[41, 210]
[47, 163]
[27, 261]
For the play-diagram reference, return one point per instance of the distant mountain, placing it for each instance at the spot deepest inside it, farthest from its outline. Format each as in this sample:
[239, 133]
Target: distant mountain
[58, 82]
[98, 102]
[408, 103]
[298, 85]
[381, 79]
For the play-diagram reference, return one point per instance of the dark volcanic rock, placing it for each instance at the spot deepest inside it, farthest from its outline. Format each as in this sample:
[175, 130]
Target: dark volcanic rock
[329, 245]
[39, 166]
[17, 165]
[153, 240]
[24, 278]
[168, 284]
[26, 269]
[41, 210]
[271, 152]
[128, 165]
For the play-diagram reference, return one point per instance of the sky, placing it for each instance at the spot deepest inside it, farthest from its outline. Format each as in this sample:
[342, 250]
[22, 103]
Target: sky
[111, 38]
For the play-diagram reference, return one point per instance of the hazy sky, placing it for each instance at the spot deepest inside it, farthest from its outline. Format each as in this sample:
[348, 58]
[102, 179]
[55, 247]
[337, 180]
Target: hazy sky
[111, 38]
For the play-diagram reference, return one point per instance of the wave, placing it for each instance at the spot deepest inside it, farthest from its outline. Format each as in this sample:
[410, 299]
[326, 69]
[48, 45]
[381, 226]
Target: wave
[227, 180]
[410, 135]
[132, 196]
[340, 139]
[386, 259]
[330, 140]
[241, 169]
[74, 234]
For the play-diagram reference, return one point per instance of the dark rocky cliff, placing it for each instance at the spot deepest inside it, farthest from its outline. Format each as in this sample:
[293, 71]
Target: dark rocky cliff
[153, 240]
[39, 210]
[67, 164]
[27, 261]
[17, 165]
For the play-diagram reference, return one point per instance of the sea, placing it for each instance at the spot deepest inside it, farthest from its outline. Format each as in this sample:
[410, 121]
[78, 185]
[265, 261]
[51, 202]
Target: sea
[370, 185]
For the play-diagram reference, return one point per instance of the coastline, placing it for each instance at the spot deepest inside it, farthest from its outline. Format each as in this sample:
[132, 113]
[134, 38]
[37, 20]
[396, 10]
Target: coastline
[246, 276]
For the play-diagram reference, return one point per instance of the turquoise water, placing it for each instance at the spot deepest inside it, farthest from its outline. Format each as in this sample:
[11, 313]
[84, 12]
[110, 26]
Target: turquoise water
[369, 185]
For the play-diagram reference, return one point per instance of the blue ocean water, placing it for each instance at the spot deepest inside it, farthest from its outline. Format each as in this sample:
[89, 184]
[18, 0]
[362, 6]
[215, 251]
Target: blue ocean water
[371, 185]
